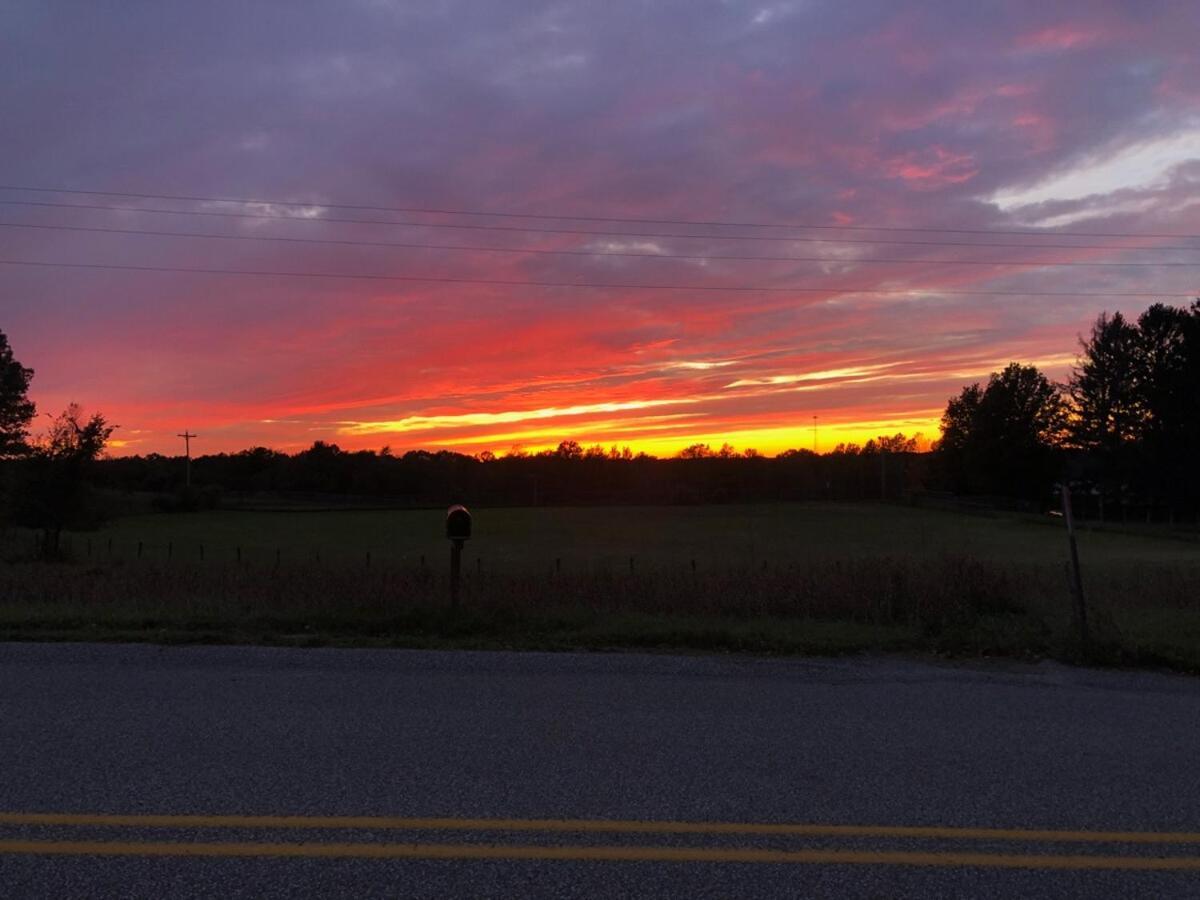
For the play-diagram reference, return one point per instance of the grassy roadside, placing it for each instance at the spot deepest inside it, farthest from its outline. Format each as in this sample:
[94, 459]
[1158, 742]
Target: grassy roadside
[1169, 642]
[776, 579]
[434, 629]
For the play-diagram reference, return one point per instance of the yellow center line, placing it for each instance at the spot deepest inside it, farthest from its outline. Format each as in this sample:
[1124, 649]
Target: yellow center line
[596, 854]
[607, 826]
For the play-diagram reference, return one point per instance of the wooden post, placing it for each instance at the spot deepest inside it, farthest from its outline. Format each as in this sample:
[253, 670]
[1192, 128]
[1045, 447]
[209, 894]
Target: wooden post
[1080, 606]
[139, 550]
[456, 547]
[170, 548]
[557, 565]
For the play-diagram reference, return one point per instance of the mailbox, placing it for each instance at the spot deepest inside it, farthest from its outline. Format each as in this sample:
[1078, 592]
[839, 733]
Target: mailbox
[458, 523]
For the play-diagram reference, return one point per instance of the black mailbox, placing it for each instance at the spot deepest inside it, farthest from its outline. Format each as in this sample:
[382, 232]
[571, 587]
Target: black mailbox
[458, 523]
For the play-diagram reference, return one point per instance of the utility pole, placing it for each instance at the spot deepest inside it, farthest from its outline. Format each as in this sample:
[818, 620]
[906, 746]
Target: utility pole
[187, 453]
[814, 435]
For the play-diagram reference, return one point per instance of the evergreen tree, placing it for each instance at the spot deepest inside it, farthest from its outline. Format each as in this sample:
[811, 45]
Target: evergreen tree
[16, 409]
[1108, 413]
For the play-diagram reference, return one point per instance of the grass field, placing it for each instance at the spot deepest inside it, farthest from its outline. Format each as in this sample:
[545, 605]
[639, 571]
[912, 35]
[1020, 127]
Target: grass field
[583, 537]
[764, 578]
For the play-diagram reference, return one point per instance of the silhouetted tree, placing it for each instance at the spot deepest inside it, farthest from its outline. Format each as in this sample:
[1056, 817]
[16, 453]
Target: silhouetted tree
[958, 438]
[893, 443]
[16, 409]
[1136, 407]
[1107, 412]
[53, 492]
[1169, 396]
[1003, 439]
[1104, 387]
[569, 450]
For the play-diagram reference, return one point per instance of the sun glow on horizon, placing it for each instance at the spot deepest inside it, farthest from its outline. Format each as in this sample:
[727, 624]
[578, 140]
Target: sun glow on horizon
[769, 441]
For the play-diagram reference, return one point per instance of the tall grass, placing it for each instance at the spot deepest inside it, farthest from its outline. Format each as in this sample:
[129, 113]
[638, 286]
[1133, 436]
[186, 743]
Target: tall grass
[949, 603]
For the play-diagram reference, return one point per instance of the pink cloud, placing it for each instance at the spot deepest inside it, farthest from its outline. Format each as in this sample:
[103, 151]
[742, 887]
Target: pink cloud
[1067, 36]
[932, 168]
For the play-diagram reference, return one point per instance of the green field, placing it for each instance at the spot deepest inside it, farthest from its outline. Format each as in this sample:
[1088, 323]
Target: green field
[785, 578]
[714, 536]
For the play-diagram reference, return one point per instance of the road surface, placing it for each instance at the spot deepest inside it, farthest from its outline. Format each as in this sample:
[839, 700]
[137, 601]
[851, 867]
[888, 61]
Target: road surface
[139, 771]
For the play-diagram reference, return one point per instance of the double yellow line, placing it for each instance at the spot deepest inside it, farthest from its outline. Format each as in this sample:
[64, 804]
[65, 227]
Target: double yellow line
[372, 850]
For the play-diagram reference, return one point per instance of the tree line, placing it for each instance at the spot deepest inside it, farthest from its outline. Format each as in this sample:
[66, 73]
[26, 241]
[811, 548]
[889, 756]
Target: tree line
[1124, 428]
[567, 474]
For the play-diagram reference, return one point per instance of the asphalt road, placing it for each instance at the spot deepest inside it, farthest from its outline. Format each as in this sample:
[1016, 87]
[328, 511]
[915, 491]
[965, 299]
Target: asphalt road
[285, 773]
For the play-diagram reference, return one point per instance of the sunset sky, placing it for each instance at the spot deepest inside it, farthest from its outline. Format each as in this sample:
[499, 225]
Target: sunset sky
[943, 187]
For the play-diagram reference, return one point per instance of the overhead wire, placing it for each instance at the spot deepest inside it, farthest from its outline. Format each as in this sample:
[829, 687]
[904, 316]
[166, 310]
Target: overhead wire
[794, 289]
[593, 218]
[707, 257]
[583, 232]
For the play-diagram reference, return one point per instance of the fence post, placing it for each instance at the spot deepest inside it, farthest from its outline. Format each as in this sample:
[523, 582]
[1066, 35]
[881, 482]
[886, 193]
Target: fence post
[456, 547]
[1080, 606]
[139, 550]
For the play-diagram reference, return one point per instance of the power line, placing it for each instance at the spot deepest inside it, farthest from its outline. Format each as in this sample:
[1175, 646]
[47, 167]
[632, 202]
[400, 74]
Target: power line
[577, 231]
[798, 289]
[578, 218]
[623, 254]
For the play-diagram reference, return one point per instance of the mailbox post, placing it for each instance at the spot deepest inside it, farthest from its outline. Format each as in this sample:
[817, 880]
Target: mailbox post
[458, 531]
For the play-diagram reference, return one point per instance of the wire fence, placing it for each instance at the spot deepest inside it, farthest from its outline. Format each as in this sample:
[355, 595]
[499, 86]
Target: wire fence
[102, 549]
[164, 579]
